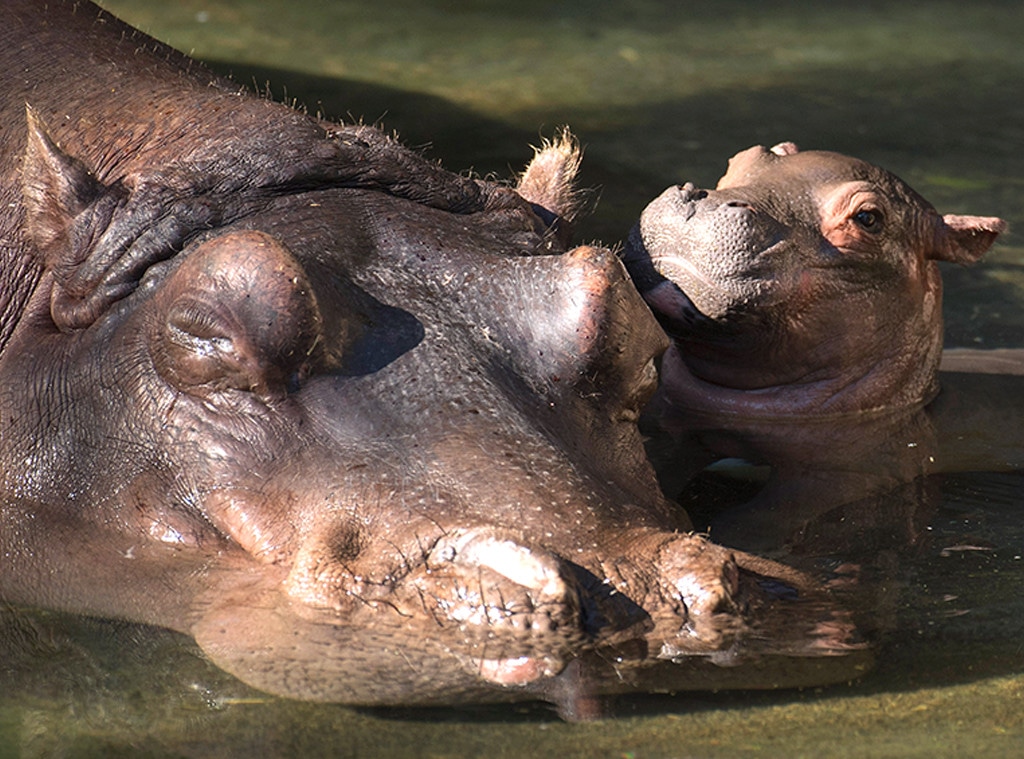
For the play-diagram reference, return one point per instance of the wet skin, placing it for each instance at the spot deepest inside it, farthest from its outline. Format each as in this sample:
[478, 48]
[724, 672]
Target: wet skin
[366, 429]
[803, 300]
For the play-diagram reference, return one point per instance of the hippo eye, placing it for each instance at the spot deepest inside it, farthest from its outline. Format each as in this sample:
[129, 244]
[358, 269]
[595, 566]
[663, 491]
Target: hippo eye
[869, 220]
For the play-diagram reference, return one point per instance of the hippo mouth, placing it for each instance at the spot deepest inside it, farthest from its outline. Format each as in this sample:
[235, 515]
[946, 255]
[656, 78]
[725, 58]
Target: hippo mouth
[672, 306]
[676, 312]
[717, 284]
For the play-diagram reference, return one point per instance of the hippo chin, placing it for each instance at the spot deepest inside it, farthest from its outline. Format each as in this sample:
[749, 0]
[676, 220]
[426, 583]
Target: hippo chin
[364, 428]
[805, 284]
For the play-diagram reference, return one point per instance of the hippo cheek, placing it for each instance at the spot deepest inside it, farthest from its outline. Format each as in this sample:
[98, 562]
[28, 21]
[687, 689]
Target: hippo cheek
[228, 334]
[248, 518]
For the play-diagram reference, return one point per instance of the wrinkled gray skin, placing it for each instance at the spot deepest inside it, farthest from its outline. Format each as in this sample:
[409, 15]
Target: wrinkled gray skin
[362, 427]
[803, 299]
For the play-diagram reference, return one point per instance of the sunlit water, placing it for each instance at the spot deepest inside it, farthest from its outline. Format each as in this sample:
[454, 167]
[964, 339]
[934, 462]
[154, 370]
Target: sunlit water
[659, 92]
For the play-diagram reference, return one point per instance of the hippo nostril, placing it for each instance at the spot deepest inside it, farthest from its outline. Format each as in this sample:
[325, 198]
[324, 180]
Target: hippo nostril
[737, 204]
[689, 192]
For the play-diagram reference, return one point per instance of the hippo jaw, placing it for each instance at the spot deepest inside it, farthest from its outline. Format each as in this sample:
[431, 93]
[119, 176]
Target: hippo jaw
[804, 283]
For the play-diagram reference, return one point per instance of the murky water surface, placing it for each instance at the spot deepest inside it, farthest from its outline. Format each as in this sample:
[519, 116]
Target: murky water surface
[659, 92]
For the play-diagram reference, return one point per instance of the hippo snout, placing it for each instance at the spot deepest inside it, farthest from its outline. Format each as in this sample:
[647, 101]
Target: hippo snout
[711, 244]
[686, 221]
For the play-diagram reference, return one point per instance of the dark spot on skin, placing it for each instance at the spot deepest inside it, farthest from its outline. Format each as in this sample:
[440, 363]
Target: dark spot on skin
[345, 546]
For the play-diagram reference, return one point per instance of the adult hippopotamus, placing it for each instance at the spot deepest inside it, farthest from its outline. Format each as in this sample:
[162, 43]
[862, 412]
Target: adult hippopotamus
[803, 299]
[364, 428]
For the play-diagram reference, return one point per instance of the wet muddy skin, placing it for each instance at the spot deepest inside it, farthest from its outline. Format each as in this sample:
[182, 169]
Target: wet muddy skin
[658, 93]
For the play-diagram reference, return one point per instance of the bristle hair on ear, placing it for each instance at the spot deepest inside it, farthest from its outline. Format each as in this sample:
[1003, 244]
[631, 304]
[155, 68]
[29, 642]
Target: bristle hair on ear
[550, 179]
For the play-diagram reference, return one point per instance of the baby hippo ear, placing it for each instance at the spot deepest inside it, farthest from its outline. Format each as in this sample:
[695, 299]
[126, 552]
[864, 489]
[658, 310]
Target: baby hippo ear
[964, 239]
[238, 313]
[785, 148]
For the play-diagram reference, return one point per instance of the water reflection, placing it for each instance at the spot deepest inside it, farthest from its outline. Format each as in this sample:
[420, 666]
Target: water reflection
[858, 483]
[873, 502]
[930, 90]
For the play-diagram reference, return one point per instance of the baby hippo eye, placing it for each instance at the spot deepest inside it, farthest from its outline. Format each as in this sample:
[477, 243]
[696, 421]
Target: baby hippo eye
[868, 219]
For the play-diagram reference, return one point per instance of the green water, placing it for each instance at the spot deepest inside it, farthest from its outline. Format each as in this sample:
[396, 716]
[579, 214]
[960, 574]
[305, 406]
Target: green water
[659, 92]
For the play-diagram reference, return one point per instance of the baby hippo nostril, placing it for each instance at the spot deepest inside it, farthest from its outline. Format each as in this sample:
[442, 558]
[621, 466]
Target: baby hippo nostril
[737, 204]
[690, 192]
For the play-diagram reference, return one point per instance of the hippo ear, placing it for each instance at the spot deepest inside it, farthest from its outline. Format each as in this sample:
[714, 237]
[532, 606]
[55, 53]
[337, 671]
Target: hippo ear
[964, 239]
[98, 240]
[56, 187]
[67, 213]
[785, 148]
[550, 179]
[238, 313]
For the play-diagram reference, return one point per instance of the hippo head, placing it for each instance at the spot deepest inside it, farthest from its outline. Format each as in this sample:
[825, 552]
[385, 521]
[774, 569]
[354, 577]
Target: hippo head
[365, 429]
[806, 282]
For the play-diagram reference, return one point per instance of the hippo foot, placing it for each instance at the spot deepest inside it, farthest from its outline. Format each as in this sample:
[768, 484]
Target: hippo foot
[510, 611]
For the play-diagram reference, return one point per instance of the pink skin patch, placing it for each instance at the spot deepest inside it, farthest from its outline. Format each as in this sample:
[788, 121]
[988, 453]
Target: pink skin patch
[665, 298]
[518, 671]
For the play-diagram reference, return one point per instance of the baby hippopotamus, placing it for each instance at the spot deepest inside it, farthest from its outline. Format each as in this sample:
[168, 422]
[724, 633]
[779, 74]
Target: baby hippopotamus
[805, 284]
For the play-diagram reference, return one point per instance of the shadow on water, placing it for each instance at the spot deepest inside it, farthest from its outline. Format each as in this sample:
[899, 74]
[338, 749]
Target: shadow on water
[462, 139]
[874, 114]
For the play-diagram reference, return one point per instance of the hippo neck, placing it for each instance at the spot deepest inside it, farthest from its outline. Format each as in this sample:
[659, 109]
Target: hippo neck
[822, 399]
